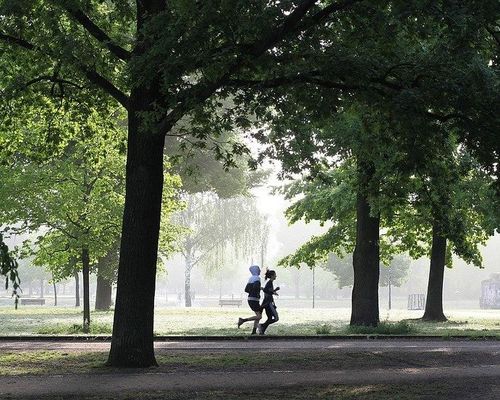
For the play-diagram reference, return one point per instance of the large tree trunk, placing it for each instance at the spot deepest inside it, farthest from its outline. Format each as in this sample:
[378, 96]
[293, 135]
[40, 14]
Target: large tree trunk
[434, 301]
[86, 287]
[103, 294]
[365, 307]
[77, 288]
[132, 342]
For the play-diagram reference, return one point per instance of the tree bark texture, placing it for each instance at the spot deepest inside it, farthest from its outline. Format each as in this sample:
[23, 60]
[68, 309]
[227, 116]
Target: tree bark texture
[434, 302]
[103, 299]
[132, 342]
[86, 289]
[77, 288]
[366, 257]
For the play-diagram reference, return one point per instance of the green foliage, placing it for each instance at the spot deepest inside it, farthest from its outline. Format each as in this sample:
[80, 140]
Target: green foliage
[217, 229]
[75, 200]
[9, 269]
[72, 196]
[395, 272]
[329, 197]
[447, 184]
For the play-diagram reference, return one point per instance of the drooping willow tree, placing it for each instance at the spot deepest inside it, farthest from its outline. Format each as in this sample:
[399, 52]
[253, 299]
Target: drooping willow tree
[218, 230]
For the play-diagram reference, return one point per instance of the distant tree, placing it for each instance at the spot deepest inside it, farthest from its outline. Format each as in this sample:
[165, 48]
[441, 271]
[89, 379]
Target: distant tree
[448, 185]
[74, 200]
[33, 276]
[450, 210]
[9, 269]
[215, 229]
[394, 273]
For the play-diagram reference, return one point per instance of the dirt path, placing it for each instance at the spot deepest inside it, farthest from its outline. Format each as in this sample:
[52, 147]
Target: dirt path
[350, 362]
[86, 385]
[346, 345]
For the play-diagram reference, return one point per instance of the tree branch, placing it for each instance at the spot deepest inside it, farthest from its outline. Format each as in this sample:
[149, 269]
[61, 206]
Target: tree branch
[495, 34]
[445, 117]
[105, 85]
[307, 78]
[281, 31]
[90, 74]
[16, 41]
[98, 33]
[51, 79]
[203, 90]
[327, 11]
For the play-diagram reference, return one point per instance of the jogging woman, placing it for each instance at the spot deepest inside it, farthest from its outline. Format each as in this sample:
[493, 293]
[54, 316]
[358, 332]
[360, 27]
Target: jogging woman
[253, 290]
[268, 303]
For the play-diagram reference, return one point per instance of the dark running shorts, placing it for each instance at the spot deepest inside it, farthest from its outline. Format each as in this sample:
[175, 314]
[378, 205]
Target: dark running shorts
[255, 306]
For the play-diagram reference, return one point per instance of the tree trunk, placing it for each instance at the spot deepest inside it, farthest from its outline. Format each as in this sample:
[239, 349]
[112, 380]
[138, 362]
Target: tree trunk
[390, 294]
[434, 301]
[132, 342]
[55, 293]
[187, 281]
[103, 294]
[313, 288]
[77, 288]
[86, 287]
[365, 307]
[41, 288]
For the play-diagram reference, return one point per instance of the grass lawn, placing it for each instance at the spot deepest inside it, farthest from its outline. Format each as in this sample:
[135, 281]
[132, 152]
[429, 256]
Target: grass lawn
[265, 358]
[222, 321]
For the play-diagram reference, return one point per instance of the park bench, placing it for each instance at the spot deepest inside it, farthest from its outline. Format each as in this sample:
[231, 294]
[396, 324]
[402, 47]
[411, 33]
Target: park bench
[39, 302]
[416, 301]
[230, 302]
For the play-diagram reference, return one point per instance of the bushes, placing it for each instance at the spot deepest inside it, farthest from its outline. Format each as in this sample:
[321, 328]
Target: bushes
[384, 328]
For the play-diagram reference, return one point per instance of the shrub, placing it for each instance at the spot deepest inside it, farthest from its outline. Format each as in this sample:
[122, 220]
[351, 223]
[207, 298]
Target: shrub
[323, 329]
[384, 328]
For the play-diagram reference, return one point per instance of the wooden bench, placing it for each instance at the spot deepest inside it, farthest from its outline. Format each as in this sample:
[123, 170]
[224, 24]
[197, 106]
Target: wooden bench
[39, 302]
[230, 302]
[416, 301]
